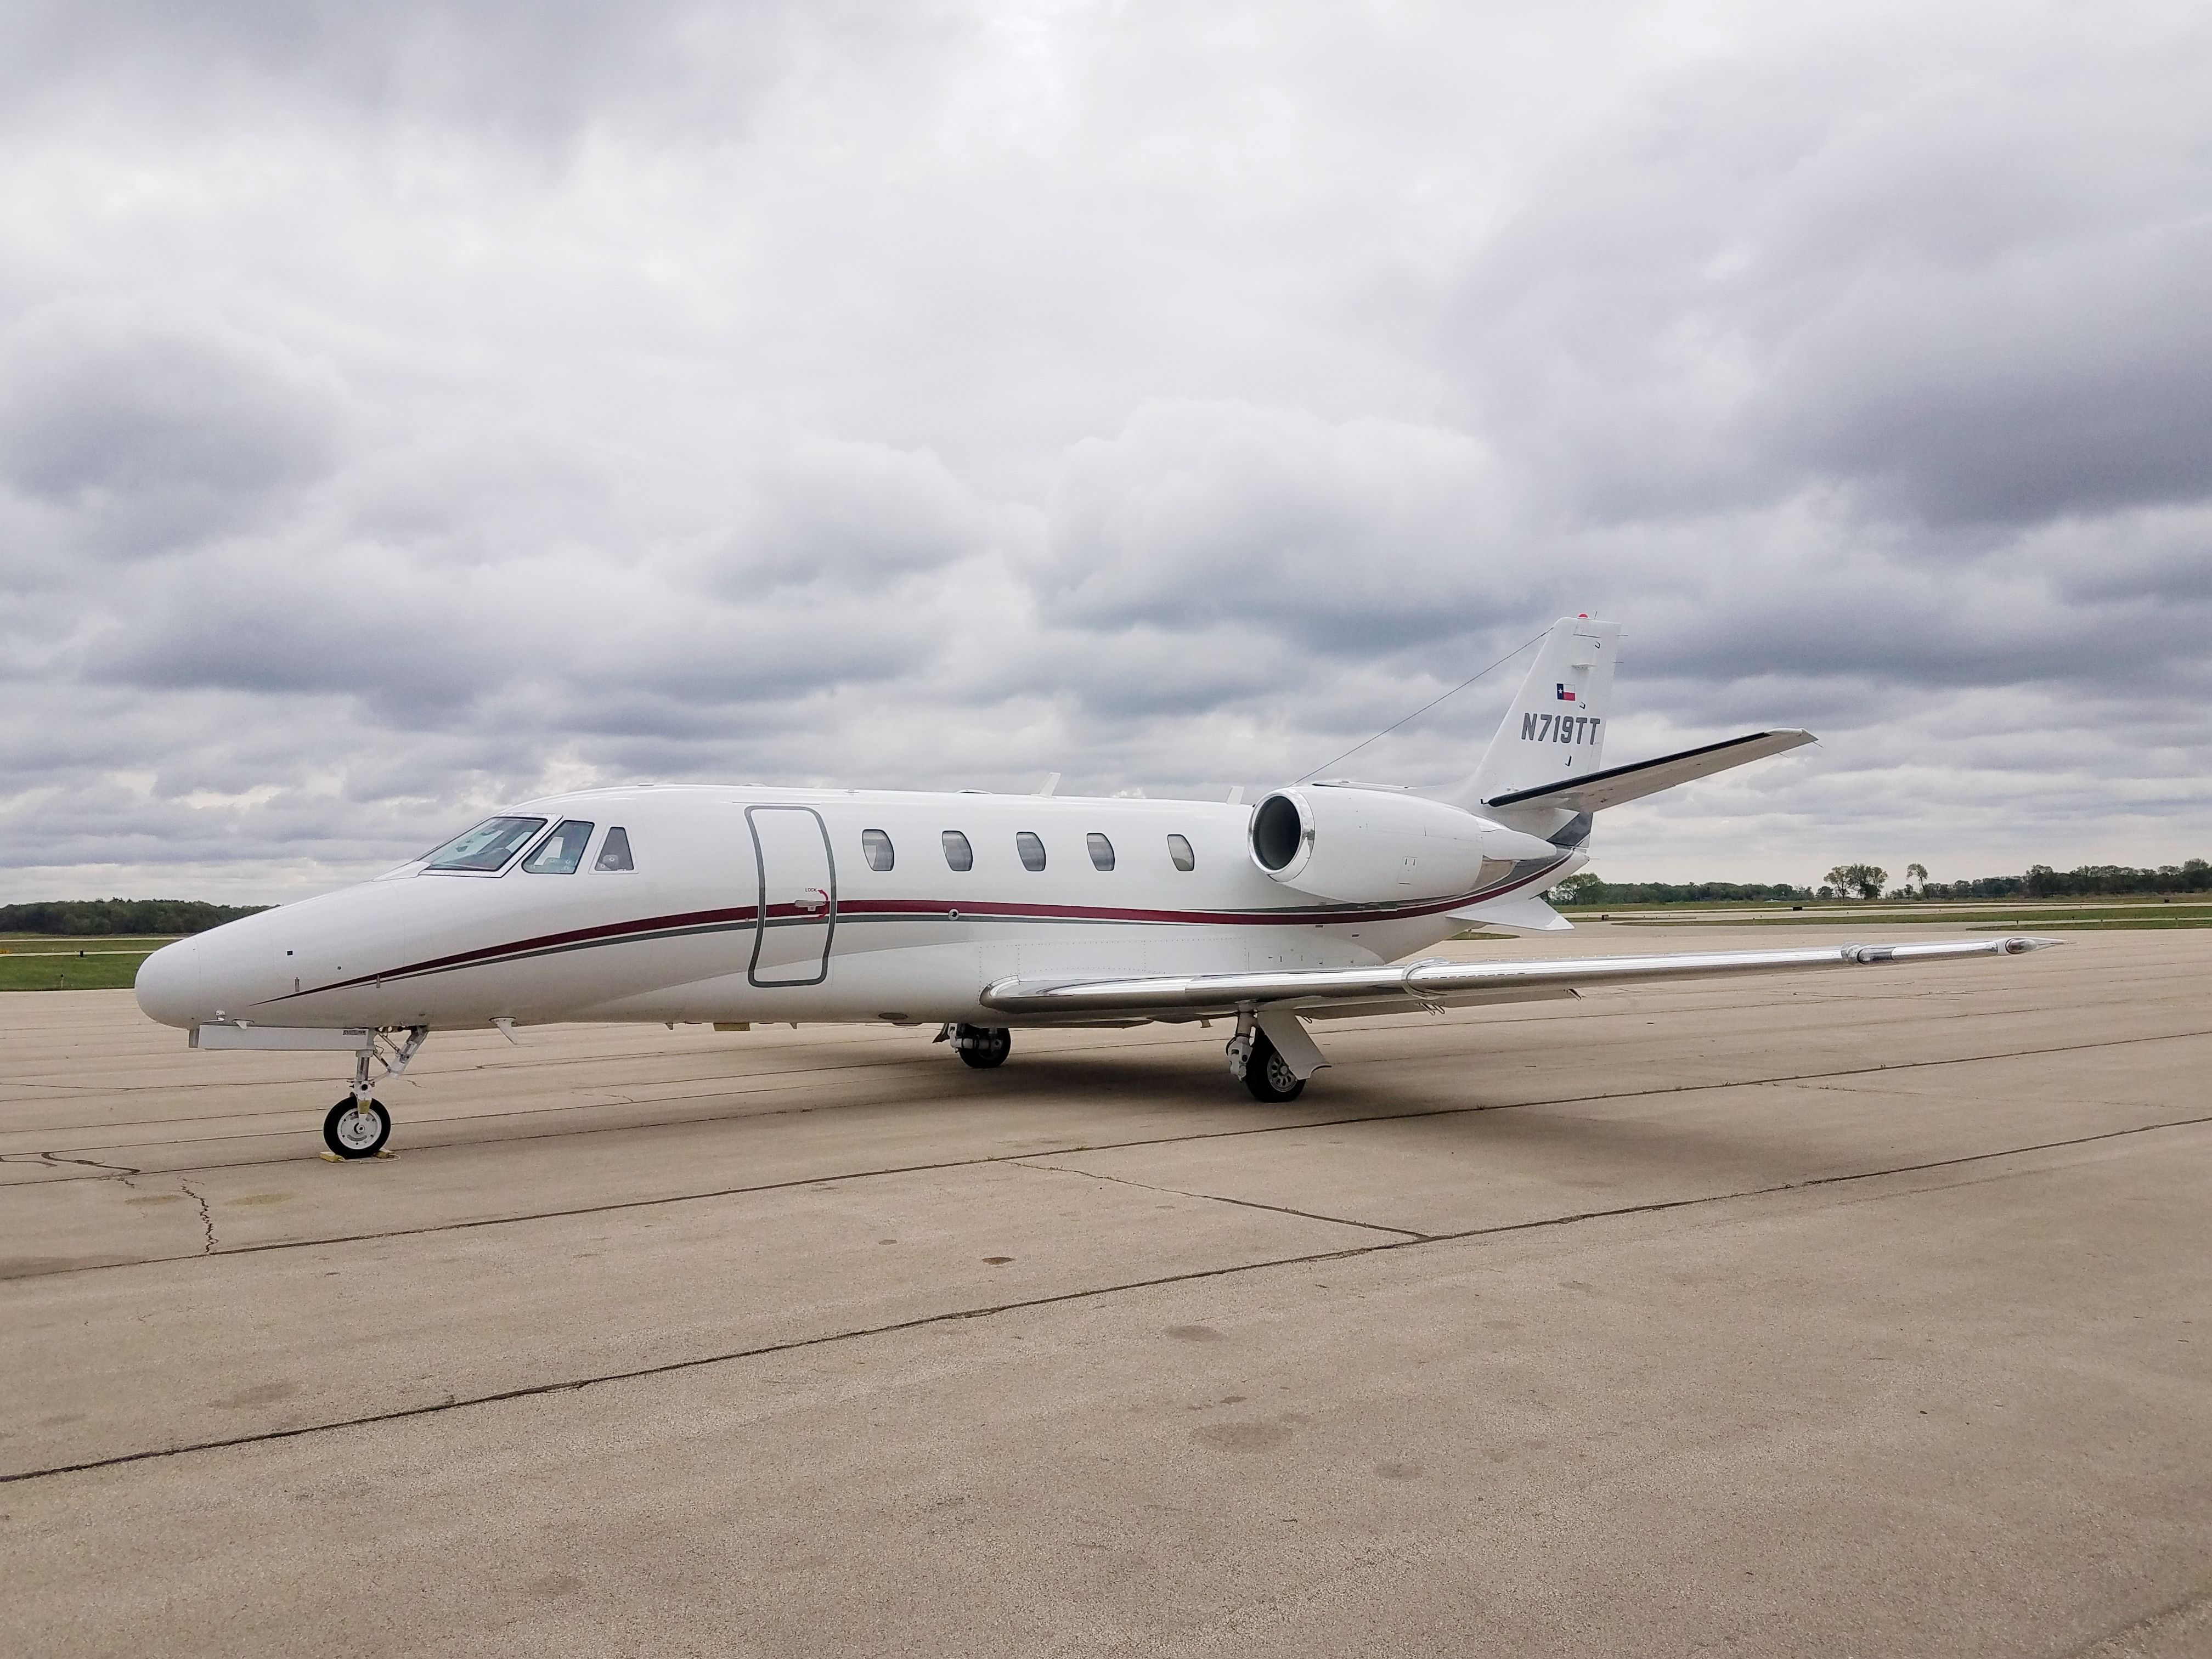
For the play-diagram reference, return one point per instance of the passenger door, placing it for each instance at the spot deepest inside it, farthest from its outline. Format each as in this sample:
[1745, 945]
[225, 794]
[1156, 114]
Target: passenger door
[798, 895]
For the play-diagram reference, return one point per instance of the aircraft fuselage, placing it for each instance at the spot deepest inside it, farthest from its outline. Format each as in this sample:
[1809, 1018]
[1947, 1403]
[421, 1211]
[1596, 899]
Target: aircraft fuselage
[757, 904]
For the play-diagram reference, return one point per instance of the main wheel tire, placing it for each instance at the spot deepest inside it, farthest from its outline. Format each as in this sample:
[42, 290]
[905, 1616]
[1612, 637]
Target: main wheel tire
[985, 1048]
[1268, 1076]
[353, 1129]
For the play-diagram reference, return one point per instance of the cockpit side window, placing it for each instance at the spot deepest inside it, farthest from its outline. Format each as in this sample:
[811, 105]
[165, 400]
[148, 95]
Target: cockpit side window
[487, 848]
[560, 852]
[613, 852]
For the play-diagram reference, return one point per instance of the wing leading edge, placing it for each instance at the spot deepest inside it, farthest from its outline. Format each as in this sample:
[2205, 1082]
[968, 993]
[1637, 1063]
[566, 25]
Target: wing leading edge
[1437, 983]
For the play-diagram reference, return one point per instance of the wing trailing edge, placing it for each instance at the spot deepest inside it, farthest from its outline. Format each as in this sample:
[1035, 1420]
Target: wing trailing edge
[1435, 982]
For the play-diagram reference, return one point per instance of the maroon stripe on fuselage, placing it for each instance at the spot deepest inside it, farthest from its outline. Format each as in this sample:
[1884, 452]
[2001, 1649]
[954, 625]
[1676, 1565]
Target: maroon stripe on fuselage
[618, 933]
[612, 933]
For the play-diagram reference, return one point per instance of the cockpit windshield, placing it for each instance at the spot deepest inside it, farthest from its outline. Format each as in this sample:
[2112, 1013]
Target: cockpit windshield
[486, 847]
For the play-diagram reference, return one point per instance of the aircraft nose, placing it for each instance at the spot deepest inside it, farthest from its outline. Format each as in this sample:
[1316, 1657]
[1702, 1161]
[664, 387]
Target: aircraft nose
[169, 985]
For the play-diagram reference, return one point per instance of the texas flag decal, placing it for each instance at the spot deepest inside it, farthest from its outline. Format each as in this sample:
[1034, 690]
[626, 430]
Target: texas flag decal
[1566, 693]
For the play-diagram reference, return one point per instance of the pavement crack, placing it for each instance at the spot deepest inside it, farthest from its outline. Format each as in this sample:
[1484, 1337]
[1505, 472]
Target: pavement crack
[1219, 1198]
[1062, 1299]
[207, 1216]
[122, 1172]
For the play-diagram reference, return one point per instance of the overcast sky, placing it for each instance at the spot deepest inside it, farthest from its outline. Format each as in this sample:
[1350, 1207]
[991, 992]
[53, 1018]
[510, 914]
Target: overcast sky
[407, 408]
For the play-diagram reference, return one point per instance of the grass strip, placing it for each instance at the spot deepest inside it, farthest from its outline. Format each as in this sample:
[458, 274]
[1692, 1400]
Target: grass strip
[53, 971]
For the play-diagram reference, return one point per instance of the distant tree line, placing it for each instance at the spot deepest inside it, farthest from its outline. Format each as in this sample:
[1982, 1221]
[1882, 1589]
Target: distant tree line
[1588, 888]
[1865, 881]
[2041, 881]
[93, 917]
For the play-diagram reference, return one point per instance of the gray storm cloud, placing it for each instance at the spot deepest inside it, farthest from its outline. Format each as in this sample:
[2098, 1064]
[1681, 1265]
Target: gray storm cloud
[145, 434]
[404, 409]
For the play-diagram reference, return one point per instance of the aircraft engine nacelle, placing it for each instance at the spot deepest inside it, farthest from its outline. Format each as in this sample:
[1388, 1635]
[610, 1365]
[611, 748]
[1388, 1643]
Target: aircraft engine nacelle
[1377, 846]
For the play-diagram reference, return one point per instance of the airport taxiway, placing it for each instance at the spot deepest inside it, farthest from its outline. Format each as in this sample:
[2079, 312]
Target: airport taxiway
[1862, 1313]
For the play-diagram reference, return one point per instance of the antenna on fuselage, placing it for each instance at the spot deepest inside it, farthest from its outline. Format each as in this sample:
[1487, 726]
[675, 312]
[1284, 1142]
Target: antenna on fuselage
[1051, 782]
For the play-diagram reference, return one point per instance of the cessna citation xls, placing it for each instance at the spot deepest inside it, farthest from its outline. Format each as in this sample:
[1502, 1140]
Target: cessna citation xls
[972, 911]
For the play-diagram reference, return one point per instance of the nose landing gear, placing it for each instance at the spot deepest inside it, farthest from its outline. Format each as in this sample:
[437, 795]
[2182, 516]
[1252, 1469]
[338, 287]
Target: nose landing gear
[980, 1046]
[358, 1126]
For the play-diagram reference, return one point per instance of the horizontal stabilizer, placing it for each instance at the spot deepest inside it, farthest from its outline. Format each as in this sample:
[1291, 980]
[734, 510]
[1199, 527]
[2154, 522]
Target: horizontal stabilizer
[1525, 915]
[1435, 982]
[1594, 791]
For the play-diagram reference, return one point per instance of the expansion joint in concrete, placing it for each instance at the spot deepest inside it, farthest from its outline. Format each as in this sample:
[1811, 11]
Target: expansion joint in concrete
[1091, 1293]
[1405, 1233]
[2179, 1627]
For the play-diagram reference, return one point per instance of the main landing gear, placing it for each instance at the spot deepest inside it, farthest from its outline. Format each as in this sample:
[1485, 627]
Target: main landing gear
[980, 1046]
[1273, 1054]
[1260, 1067]
[358, 1126]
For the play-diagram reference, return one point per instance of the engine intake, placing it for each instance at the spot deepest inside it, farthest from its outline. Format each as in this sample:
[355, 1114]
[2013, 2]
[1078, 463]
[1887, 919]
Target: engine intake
[1378, 846]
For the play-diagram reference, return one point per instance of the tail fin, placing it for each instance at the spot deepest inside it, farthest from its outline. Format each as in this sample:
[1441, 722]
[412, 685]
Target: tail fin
[1556, 728]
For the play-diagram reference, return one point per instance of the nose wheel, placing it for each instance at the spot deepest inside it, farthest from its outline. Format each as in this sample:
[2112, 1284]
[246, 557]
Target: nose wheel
[356, 1128]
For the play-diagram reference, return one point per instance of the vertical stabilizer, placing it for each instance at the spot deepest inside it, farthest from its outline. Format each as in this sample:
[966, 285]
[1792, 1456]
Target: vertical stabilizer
[1555, 729]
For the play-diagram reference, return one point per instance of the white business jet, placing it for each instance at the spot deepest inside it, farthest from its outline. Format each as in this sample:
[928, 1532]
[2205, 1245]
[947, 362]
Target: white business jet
[974, 912]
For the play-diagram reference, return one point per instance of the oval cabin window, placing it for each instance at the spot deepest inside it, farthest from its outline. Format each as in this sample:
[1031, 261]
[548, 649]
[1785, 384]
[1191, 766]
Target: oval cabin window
[1102, 850]
[958, 854]
[1031, 849]
[1179, 850]
[877, 847]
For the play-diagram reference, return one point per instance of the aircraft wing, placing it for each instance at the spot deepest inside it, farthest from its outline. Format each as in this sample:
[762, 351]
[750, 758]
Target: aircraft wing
[1596, 791]
[1335, 992]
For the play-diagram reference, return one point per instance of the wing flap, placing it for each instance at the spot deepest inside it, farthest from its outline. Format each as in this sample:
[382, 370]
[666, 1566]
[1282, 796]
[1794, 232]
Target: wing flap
[1617, 784]
[1434, 982]
[1524, 914]
[1430, 1004]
